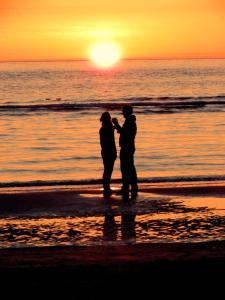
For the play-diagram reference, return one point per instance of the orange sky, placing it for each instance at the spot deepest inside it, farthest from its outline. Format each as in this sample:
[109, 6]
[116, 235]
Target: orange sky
[64, 29]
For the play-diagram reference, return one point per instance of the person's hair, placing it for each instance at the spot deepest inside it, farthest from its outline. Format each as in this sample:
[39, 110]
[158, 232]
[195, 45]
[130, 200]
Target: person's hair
[128, 109]
[105, 117]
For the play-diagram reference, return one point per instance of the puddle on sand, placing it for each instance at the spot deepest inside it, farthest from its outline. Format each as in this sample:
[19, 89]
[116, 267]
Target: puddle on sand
[148, 219]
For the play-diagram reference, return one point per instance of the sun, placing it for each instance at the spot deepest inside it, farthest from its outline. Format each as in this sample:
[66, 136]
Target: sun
[105, 54]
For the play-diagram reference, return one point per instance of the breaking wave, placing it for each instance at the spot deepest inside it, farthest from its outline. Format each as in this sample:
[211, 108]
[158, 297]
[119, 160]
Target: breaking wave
[142, 102]
[43, 183]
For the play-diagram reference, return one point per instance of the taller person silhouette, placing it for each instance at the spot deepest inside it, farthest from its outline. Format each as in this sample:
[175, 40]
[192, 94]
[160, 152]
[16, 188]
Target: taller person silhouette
[127, 149]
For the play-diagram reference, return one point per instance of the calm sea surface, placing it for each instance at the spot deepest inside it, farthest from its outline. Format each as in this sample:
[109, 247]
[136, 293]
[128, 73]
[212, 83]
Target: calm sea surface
[49, 118]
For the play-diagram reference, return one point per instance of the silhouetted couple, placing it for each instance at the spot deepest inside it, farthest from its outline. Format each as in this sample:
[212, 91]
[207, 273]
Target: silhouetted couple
[110, 228]
[127, 149]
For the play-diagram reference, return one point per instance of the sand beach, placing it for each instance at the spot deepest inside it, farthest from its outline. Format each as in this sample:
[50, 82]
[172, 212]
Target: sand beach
[137, 271]
[118, 267]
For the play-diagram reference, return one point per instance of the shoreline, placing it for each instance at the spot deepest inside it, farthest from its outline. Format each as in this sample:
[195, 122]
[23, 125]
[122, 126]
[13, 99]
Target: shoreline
[181, 187]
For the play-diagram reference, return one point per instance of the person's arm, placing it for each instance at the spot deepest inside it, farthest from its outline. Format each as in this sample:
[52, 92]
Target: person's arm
[116, 125]
[101, 137]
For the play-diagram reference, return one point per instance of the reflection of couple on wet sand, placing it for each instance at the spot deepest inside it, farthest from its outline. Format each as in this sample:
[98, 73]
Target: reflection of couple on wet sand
[127, 149]
[110, 227]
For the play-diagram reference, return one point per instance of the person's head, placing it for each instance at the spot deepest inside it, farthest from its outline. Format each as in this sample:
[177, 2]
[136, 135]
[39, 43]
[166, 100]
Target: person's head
[105, 117]
[127, 111]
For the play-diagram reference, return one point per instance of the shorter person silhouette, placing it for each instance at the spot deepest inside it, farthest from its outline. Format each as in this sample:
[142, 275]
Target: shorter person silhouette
[108, 150]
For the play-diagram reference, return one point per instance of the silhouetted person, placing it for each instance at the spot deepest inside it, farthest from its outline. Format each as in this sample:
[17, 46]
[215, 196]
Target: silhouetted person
[108, 150]
[127, 149]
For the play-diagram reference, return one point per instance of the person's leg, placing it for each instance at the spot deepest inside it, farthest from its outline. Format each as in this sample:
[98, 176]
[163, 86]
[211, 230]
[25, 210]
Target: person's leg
[132, 174]
[124, 165]
[105, 177]
[108, 169]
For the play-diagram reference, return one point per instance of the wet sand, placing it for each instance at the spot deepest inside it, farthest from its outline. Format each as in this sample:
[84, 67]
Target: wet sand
[136, 271]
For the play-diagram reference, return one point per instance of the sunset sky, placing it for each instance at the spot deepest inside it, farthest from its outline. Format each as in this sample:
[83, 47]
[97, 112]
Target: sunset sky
[65, 29]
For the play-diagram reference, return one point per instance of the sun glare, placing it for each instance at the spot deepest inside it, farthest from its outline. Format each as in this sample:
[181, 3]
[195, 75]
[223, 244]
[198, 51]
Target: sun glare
[105, 54]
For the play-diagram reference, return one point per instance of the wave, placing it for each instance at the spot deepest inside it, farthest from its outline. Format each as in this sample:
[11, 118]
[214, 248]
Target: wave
[87, 182]
[114, 104]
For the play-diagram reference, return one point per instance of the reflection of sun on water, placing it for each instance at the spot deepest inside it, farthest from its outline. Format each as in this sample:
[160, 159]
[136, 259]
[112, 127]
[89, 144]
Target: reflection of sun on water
[105, 54]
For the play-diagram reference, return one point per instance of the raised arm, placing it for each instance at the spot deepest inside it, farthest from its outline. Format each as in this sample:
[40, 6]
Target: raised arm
[116, 125]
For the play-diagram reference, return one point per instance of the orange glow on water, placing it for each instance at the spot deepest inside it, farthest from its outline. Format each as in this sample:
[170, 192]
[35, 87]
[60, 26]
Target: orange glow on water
[75, 219]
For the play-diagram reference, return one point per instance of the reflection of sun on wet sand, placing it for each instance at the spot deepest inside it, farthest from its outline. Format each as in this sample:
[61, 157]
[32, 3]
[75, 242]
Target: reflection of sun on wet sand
[81, 215]
[170, 232]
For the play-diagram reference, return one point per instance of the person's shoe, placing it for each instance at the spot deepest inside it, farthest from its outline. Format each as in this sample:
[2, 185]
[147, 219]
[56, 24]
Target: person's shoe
[134, 192]
[134, 195]
[123, 192]
[125, 197]
[107, 192]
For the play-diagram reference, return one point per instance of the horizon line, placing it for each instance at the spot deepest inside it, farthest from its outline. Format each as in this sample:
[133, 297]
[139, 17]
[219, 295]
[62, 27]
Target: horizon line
[124, 59]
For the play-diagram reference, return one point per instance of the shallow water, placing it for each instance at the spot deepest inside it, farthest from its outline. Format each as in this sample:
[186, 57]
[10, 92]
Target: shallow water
[92, 220]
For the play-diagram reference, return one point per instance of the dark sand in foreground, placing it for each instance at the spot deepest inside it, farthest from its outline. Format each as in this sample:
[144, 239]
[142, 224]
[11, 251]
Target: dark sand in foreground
[108, 271]
[138, 271]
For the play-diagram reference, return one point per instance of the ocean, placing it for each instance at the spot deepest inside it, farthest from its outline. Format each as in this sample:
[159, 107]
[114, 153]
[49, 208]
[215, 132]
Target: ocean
[49, 118]
[49, 129]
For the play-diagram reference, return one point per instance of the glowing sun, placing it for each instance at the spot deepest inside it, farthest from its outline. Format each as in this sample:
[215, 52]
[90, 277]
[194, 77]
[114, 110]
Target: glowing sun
[105, 54]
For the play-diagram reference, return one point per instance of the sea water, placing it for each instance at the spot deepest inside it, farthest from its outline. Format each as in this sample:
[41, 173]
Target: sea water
[49, 118]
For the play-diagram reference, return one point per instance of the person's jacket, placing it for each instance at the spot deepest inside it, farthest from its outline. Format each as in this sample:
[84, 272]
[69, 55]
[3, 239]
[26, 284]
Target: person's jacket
[127, 133]
[107, 142]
